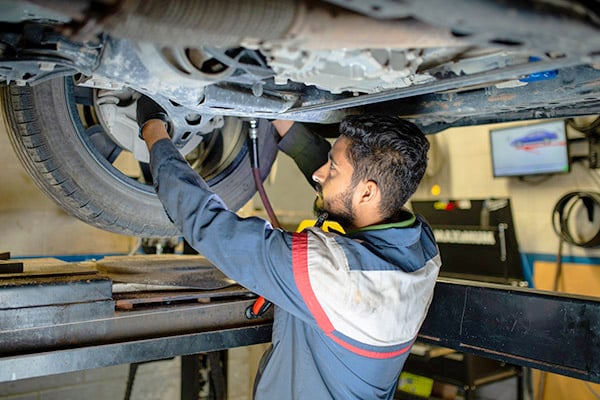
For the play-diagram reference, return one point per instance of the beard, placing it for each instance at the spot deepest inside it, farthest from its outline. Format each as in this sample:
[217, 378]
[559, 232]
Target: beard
[339, 208]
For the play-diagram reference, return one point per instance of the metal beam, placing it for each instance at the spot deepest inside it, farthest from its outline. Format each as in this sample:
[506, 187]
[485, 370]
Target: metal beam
[80, 358]
[130, 326]
[542, 330]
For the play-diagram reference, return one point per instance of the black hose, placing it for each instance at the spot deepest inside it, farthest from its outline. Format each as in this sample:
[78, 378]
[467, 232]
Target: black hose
[255, 164]
[260, 305]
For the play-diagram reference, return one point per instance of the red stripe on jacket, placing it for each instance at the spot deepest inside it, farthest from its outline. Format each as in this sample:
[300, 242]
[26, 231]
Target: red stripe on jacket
[302, 278]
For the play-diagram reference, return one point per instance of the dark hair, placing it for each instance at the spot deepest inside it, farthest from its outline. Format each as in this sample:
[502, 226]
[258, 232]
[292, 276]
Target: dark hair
[389, 151]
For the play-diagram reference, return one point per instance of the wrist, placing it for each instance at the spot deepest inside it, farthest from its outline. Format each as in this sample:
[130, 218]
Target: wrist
[282, 126]
[158, 116]
[152, 131]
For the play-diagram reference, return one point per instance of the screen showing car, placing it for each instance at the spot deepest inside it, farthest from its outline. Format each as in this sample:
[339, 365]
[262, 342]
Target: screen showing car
[530, 149]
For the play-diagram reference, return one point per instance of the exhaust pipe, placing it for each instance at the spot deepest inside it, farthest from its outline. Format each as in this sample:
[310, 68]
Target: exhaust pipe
[307, 24]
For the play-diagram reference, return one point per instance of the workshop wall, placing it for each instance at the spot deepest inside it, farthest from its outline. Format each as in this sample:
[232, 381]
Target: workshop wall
[461, 168]
[33, 225]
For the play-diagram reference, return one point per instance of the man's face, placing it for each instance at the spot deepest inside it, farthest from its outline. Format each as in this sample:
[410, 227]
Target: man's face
[334, 185]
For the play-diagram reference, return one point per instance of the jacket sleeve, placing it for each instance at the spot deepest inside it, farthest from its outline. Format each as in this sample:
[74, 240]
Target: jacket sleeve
[248, 250]
[308, 150]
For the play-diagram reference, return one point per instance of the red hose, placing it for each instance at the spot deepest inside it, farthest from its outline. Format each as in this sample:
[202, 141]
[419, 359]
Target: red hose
[264, 198]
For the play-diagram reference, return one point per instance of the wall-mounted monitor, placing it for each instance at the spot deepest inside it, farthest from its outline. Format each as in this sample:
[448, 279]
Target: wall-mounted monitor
[533, 149]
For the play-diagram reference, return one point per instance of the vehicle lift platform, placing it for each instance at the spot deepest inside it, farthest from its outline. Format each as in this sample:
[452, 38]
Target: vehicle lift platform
[58, 317]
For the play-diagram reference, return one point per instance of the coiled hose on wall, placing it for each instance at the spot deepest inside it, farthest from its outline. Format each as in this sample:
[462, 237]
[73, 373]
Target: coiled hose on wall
[562, 223]
[563, 211]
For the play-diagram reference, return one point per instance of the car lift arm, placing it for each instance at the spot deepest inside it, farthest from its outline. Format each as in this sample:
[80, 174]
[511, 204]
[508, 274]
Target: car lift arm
[544, 330]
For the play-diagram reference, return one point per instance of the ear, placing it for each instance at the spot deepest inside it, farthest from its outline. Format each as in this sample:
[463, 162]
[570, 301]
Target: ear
[369, 193]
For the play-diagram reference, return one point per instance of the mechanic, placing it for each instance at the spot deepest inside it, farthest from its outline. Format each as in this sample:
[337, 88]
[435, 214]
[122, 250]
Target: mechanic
[348, 306]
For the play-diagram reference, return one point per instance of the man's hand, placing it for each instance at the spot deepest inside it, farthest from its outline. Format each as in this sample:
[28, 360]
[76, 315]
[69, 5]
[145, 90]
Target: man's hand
[153, 121]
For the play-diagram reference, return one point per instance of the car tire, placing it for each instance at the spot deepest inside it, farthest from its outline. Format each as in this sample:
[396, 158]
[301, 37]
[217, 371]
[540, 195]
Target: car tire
[50, 140]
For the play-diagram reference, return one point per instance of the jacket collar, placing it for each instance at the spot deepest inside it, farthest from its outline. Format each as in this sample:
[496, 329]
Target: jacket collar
[409, 220]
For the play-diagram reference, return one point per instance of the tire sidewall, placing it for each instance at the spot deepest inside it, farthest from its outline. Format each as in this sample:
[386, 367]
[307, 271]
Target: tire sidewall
[50, 140]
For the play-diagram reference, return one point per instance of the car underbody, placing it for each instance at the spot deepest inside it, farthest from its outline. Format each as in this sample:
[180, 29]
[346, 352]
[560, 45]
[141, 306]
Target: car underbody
[308, 61]
[208, 64]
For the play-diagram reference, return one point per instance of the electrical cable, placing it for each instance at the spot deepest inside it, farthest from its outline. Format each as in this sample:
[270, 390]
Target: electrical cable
[138, 245]
[528, 383]
[560, 223]
[557, 277]
[561, 217]
[585, 129]
[559, 265]
[532, 181]
[591, 389]
[595, 177]
[133, 367]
